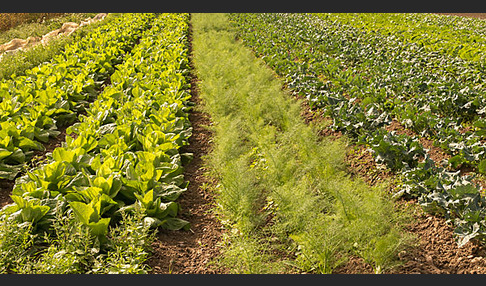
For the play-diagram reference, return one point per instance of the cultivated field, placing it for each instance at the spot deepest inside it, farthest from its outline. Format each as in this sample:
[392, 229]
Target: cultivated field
[248, 143]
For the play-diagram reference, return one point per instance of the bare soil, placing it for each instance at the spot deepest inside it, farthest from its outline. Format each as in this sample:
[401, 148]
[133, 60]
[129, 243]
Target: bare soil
[194, 251]
[6, 187]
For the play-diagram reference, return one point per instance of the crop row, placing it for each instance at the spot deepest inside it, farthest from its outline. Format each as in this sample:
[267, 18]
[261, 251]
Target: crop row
[123, 154]
[453, 36]
[35, 105]
[364, 80]
[433, 94]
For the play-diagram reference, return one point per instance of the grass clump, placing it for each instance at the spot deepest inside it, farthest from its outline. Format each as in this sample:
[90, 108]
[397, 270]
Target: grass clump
[283, 192]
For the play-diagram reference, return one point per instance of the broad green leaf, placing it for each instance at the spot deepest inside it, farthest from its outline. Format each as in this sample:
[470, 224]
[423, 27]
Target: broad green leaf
[482, 167]
[100, 227]
[91, 193]
[103, 184]
[151, 222]
[27, 144]
[54, 172]
[33, 213]
[167, 192]
[4, 153]
[145, 170]
[29, 211]
[104, 170]
[86, 213]
[62, 154]
[175, 224]
[42, 135]
[5, 142]
[95, 163]
[17, 156]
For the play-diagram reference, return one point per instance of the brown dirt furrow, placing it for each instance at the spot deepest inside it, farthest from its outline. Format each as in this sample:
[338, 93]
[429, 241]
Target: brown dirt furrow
[6, 187]
[436, 251]
[193, 251]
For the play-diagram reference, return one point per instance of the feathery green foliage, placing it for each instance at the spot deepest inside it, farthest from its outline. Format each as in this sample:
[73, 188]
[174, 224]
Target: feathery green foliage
[283, 192]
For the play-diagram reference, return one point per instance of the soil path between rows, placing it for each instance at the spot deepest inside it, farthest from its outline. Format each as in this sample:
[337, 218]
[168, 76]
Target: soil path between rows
[193, 251]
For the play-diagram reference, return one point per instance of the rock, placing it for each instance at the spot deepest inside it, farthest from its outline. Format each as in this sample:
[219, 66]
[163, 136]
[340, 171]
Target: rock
[99, 16]
[476, 260]
[68, 28]
[49, 36]
[85, 22]
[13, 45]
[31, 41]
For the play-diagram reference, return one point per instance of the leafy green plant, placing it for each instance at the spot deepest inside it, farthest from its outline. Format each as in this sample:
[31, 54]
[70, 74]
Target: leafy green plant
[103, 169]
[48, 96]
[90, 215]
